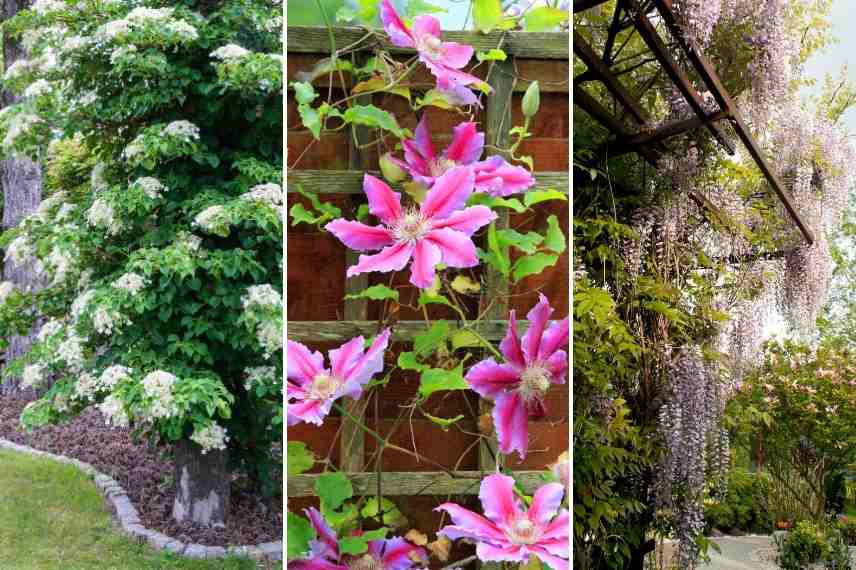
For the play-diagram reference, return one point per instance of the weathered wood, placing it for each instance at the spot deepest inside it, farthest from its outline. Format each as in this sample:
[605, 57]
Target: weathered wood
[536, 45]
[333, 331]
[413, 483]
[351, 181]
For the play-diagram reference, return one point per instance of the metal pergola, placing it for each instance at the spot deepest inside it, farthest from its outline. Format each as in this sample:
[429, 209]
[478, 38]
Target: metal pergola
[641, 139]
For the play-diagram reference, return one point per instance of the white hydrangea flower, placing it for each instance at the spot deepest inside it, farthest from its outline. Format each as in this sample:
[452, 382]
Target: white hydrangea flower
[262, 296]
[113, 411]
[97, 179]
[17, 69]
[142, 15]
[210, 437]
[122, 51]
[64, 212]
[6, 289]
[268, 193]
[38, 88]
[48, 61]
[106, 321]
[258, 374]
[86, 387]
[113, 375]
[49, 329]
[21, 124]
[130, 282]
[80, 304]
[158, 386]
[33, 376]
[210, 218]
[20, 251]
[184, 130]
[70, 351]
[73, 43]
[101, 215]
[133, 149]
[182, 29]
[49, 204]
[62, 261]
[229, 52]
[151, 186]
[45, 6]
[114, 29]
[269, 335]
[192, 242]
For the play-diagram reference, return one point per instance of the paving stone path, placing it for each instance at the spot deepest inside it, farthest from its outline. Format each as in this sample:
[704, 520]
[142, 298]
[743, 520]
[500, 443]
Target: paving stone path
[751, 552]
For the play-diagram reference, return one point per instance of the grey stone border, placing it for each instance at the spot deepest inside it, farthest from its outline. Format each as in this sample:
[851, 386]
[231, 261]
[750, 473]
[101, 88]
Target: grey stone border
[130, 522]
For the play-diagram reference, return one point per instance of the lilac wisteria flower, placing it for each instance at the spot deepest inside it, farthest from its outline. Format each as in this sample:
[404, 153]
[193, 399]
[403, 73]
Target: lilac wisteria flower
[493, 175]
[439, 230]
[443, 59]
[519, 385]
[311, 389]
[385, 554]
[506, 532]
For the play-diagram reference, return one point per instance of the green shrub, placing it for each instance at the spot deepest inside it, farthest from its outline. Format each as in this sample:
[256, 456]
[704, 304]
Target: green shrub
[745, 507]
[847, 527]
[810, 543]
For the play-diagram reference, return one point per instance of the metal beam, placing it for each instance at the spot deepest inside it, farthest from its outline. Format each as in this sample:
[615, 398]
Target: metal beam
[633, 142]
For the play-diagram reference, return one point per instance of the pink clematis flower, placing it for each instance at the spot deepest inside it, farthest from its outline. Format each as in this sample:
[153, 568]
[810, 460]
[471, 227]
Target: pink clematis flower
[494, 175]
[385, 554]
[507, 533]
[312, 389]
[443, 59]
[438, 230]
[518, 386]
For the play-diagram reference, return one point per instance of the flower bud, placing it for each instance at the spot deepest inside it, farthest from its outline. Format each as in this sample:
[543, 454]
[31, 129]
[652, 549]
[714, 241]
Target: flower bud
[531, 100]
[391, 171]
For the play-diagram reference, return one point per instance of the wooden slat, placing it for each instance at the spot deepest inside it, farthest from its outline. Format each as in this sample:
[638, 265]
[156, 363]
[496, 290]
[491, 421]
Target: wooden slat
[414, 483]
[334, 331]
[351, 181]
[536, 45]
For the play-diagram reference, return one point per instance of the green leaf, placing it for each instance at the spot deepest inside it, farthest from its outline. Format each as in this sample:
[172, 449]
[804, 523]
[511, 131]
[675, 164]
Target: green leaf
[375, 293]
[527, 243]
[434, 98]
[379, 84]
[359, 544]
[444, 423]
[344, 15]
[304, 92]
[464, 339]
[544, 19]
[371, 116]
[439, 379]
[429, 341]
[311, 119]
[426, 298]
[487, 14]
[555, 239]
[300, 215]
[300, 459]
[497, 255]
[491, 55]
[482, 198]
[533, 264]
[538, 196]
[367, 10]
[333, 489]
[300, 532]
[323, 67]
[407, 361]
[418, 7]
[464, 285]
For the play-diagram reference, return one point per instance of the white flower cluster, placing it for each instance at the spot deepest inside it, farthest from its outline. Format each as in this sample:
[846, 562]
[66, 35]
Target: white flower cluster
[113, 375]
[48, 61]
[133, 149]
[229, 52]
[80, 304]
[49, 204]
[142, 15]
[257, 375]
[20, 251]
[62, 260]
[64, 212]
[270, 194]
[114, 411]
[262, 296]
[106, 321]
[70, 351]
[130, 282]
[210, 437]
[73, 43]
[38, 88]
[182, 29]
[45, 6]
[190, 241]
[33, 376]
[97, 179]
[18, 68]
[122, 51]
[270, 337]
[20, 125]
[86, 387]
[158, 386]
[210, 218]
[151, 186]
[184, 130]
[114, 29]
[6, 289]
[101, 215]
[49, 329]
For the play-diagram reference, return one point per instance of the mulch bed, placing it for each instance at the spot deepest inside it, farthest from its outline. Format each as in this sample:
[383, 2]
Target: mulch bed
[147, 476]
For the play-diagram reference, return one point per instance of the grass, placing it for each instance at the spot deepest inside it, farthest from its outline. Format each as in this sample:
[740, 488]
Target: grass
[52, 517]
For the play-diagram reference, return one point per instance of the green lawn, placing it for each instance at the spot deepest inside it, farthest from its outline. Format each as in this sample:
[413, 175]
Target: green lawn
[52, 518]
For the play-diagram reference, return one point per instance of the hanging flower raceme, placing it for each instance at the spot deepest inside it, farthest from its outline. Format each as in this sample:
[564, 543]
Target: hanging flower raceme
[518, 386]
[385, 554]
[312, 389]
[443, 59]
[506, 532]
[493, 175]
[438, 230]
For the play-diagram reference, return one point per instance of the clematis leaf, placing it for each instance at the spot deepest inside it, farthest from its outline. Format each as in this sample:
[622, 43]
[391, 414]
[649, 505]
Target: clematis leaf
[300, 533]
[533, 265]
[487, 14]
[444, 423]
[333, 489]
[555, 238]
[375, 293]
[544, 19]
[537, 196]
[300, 459]
[440, 379]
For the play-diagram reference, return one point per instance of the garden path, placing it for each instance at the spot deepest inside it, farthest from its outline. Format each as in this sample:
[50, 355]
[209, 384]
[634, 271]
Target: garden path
[741, 553]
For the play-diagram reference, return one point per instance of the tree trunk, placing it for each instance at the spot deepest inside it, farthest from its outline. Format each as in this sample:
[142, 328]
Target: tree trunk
[202, 485]
[21, 182]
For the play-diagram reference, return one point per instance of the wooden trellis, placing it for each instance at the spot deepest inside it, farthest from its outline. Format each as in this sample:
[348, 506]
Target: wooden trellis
[316, 40]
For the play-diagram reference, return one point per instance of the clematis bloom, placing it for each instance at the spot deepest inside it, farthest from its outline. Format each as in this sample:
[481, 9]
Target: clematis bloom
[311, 389]
[443, 59]
[519, 385]
[438, 230]
[493, 175]
[507, 532]
[385, 554]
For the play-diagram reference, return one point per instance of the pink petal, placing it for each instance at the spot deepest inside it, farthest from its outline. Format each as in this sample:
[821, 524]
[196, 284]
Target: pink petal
[468, 524]
[396, 554]
[392, 258]
[489, 378]
[511, 422]
[498, 500]
[457, 249]
[368, 365]
[422, 140]
[326, 535]
[510, 345]
[554, 562]
[461, 96]
[426, 26]
[398, 32]
[426, 256]
[508, 552]
[468, 220]
[545, 503]
[449, 193]
[559, 527]
[359, 236]
[293, 390]
[557, 364]
[447, 77]
[467, 144]
[308, 411]
[303, 365]
[498, 178]
[456, 55]
[555, 546]
[383, 202]
[538, 317]
[555, 337]
[342, 359]
[314, 563]
[416, 163]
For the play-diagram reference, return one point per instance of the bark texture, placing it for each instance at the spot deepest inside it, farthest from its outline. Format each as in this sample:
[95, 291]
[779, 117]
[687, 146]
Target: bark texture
[202, 485]
[21, 182]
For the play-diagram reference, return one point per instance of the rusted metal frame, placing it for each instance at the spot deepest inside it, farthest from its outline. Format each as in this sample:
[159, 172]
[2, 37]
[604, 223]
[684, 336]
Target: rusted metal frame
[634, 142]
[583, 5]
[678, 77]
[613, 32]
[711, 79]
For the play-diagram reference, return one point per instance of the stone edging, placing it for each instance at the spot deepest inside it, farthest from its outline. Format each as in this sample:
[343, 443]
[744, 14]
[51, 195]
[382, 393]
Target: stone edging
[130, 521]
